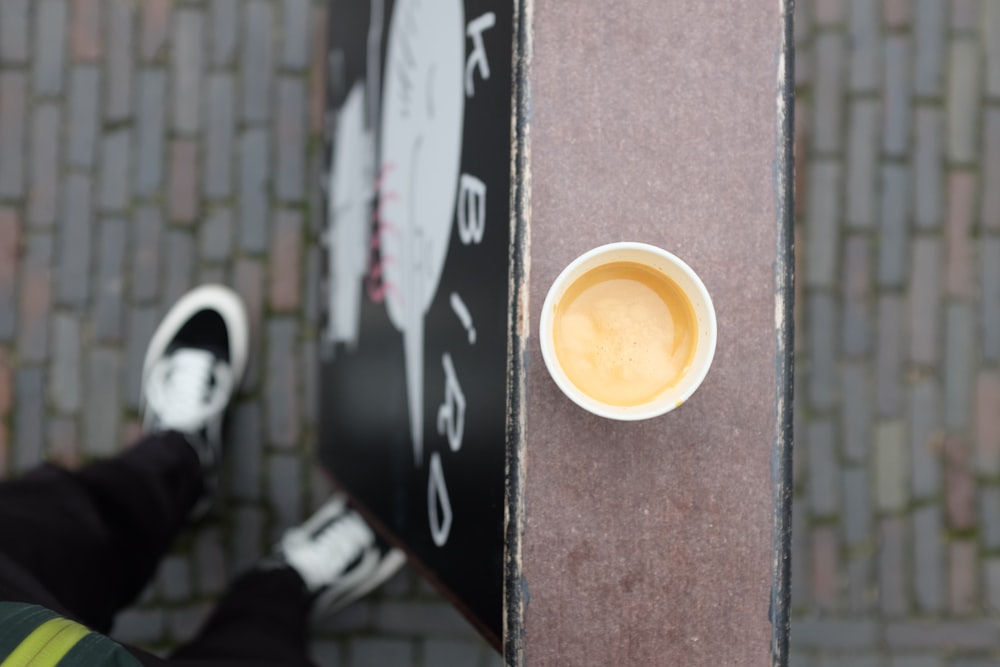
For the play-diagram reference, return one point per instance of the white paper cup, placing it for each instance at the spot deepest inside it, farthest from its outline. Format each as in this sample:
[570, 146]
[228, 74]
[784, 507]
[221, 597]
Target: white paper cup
[685, 278]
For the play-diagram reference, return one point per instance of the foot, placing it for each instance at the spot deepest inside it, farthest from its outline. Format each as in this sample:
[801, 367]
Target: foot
[338, 556]
[193, 366]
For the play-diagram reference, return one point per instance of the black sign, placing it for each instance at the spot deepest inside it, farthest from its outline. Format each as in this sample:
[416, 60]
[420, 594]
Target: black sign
[417, 245]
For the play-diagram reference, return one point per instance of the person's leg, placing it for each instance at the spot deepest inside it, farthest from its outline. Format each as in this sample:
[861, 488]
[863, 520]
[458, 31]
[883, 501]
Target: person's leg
[263, 616]
[93, 538]
[318, 568]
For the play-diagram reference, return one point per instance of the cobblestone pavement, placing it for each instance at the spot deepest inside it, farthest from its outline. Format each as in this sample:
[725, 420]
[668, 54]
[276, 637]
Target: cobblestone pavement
[145, 147]
[896, 556]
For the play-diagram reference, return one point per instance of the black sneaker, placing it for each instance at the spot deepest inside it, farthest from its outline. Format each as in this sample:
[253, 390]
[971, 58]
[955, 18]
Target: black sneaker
[194, 364]
[338, 556]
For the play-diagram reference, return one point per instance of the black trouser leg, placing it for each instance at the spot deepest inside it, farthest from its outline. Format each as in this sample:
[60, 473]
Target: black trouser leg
[262, 617]
[91, 540]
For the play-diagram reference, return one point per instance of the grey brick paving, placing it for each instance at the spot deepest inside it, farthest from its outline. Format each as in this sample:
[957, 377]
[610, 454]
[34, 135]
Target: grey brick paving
[256, 60]
[45, 147]
[836, 634]
[175, 578]
[824, 481]
[991, 20]
[295, 36]
[987, 423]
[13, 112]
[245, 466]
[889, 355]
[928, 167]
[326, 653]
[210, 562]
[285, 281]
[857, 506]
[928, 559]
[187, 67]
[892, 567]
[963, 99]
[75, 236]
[862, 161]
[991, 577]
[290, 158]
[49, 61]
[930, 24]
[373, 652]
[62, 441]
[224, 21]
[254, 200]
[964, 581]
[955, 634]
[183, 196]
[897, 94]
[101, 423]
[912, 285]
[284, 484]
[282, 389]
[115, 172]
[145, 253]
[155, 28]
[925, 299]
[894, 215]
[989, 512]
[990, 165]
[926, 439]
[822, 343]
[989, 250]
[856, 411]
[142, 321]
[178, 258]
[890, 466]
[865, 45]
[821, 245]
[109, 289]
[220, 129]
[858, 587]
[139, 626]
[29, 436]
[84, 108]
[420, 618]
[248, 537]
[216, 240]
[830, 81]
[958, 232]
[248, 279]
[66, 388]
[14, 31]
[119, 64]
[183, 623]
[150, 120]
[36, 298]
[10, 249]
[959, 365]
[966, 15]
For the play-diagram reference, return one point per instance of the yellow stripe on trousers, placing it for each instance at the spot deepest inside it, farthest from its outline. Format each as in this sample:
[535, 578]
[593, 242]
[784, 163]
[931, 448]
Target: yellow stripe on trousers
[47, 644]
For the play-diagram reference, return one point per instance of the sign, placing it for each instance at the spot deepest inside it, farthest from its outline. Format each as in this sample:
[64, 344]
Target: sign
[416, 282]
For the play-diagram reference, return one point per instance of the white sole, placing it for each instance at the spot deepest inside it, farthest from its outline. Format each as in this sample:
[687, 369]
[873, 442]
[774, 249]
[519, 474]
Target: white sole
[393, 560]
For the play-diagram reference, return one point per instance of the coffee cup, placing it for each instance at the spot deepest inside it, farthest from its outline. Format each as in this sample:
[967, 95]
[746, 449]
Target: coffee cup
[628, 331]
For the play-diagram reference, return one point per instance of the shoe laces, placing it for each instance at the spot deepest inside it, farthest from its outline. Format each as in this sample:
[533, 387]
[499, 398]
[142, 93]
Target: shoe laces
[324, 555]
[188, 390]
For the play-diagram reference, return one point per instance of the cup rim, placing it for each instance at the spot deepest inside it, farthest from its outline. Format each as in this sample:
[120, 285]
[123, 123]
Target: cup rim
[665, 401]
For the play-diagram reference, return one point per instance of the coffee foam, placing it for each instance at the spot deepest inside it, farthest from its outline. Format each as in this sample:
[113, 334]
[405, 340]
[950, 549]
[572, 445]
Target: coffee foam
[624, 333]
